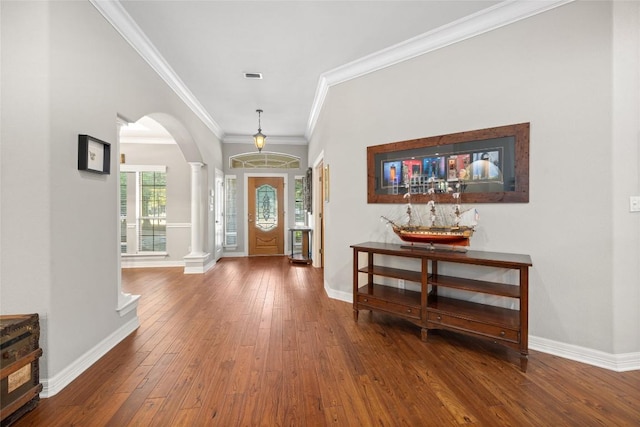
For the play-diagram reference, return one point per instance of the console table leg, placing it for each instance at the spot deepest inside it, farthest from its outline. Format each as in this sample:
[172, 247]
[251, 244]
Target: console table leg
[355, 314]
[424, 333]
[523, 362]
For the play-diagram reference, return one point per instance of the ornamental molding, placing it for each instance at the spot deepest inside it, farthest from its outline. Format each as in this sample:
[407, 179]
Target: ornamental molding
[497, 16]
[115, 14]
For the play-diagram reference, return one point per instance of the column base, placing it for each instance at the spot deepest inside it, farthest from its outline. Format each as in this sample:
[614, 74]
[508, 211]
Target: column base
[127, 303]
[195, 263]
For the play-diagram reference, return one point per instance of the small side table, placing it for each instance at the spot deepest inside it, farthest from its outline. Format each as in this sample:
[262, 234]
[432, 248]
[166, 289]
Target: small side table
[304, 256]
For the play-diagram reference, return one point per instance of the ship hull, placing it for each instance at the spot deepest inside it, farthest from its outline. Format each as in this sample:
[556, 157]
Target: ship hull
[456, 237]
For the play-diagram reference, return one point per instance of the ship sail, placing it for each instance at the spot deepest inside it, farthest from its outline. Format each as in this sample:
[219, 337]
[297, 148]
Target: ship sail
[437, 225]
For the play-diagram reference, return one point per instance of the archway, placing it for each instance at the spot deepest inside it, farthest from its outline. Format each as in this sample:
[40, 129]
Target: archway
[163, 166]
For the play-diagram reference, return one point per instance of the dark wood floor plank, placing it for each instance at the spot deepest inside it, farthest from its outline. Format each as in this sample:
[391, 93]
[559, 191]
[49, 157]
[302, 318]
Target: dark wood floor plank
[274, 352]
[140, 395]
[270, 407]
[360, 409]
[293, 393]
[329, 387]
[144, 416]
[256, 341]
[241, 373]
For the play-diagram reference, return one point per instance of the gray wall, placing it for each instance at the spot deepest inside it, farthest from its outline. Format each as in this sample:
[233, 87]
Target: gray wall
[66, 71]
[573, 74]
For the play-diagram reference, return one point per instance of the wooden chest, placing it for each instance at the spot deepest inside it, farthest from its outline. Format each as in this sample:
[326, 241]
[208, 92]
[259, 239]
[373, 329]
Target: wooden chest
[19, 366]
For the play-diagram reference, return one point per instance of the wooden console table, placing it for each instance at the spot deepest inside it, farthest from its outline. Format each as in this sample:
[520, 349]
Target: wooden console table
[428, 310]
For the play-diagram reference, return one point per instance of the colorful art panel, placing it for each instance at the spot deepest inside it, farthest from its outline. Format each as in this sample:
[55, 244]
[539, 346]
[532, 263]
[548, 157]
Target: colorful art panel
[434, 167]
[411, 167]
[486, 166]
[392, 173]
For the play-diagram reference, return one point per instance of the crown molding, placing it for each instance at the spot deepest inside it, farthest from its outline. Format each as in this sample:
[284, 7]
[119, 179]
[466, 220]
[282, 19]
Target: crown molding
[499, 15]
[115, 14]
[248, 139]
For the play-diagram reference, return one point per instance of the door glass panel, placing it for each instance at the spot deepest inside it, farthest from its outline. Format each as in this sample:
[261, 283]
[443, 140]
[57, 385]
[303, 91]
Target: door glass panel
[266, 207]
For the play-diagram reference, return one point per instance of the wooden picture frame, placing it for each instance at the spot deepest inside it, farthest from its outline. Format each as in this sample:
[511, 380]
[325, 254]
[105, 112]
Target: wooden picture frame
[94, 155]
[308, 191]
[326, 181]
[487, 165]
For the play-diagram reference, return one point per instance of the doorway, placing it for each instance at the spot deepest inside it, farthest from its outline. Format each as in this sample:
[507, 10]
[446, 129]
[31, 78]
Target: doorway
[265, 215]
[218, 202]
[319, 198]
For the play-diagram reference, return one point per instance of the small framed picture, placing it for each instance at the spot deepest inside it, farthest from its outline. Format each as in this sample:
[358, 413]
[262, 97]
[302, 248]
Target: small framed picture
[94, 155]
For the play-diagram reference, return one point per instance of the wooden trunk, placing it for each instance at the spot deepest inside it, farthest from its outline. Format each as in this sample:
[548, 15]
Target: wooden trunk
[19, 368]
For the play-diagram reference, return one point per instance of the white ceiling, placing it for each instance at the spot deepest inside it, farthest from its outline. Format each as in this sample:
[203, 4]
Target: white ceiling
[206, 46]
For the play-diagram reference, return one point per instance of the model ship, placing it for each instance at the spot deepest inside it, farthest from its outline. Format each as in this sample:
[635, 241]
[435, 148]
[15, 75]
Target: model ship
[445, 227]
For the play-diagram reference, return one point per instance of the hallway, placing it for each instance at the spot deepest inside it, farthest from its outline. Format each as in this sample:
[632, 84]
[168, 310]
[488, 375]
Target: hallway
[256, 341]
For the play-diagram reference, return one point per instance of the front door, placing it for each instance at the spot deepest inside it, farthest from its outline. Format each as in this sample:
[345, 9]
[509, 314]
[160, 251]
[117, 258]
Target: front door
[266, 215]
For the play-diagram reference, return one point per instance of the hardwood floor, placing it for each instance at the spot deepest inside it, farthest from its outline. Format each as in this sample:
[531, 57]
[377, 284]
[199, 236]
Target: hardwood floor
[256, 341]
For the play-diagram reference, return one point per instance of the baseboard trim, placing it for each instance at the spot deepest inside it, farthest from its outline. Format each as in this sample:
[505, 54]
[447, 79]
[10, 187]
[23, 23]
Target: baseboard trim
[52, 386]
[146, 263]
[614, 362]
[233, 255]
[339, 295]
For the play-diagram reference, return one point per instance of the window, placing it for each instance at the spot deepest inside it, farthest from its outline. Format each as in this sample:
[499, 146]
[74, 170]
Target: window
[143, 193]
[299, 203]
[300, 212]
[123, 212]
[230, 222]
[152, 220]
[264, 160]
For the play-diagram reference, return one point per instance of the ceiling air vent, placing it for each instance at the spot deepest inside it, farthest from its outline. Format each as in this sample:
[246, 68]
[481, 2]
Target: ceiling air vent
[253, 76]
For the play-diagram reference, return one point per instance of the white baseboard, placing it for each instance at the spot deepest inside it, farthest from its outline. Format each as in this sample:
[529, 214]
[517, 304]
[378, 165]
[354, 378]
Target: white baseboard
[190, 268]
[212, 263]
[52, 386]
[149, 263]
[339, 295]
[233, 254]
[614, 362]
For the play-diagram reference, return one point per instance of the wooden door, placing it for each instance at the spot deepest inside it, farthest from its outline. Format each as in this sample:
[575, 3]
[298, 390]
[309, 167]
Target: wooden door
[266, 215]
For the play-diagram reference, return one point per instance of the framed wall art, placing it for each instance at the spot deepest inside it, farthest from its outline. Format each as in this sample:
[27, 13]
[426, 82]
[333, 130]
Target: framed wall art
[308, 191]
[94, 155]
[488, 166]
[326, 181]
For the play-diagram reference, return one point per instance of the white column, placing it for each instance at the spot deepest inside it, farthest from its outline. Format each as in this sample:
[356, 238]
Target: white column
[196, 214]
[195, 262]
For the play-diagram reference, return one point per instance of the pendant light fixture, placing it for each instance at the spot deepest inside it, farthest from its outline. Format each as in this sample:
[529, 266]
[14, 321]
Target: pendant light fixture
[259, 138]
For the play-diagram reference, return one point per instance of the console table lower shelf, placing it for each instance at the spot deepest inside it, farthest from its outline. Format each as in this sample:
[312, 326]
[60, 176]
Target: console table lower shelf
[430, 311]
